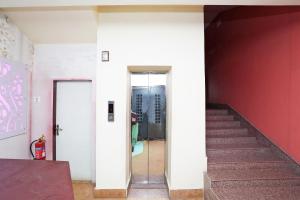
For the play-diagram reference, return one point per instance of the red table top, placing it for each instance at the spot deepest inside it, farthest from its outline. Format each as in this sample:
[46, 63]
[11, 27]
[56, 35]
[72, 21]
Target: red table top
[35, 180]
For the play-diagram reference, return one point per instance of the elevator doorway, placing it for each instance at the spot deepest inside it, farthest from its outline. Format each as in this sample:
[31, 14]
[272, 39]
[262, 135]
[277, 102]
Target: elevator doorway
[148, 129]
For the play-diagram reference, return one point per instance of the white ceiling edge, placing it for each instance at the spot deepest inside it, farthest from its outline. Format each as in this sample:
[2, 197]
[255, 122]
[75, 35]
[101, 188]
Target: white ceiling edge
[59, 25]
[54, 3]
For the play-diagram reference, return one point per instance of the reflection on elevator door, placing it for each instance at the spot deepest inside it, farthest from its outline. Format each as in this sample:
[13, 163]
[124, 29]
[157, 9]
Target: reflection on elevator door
[148, 103]
[150, 106]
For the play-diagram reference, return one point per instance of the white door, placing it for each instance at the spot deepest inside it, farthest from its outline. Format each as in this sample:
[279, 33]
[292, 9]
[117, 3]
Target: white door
[74, 117]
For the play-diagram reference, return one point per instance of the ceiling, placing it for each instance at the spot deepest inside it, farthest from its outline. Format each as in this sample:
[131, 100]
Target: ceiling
[41, 3]
[69, 21]
[211, 12]
[56, 25]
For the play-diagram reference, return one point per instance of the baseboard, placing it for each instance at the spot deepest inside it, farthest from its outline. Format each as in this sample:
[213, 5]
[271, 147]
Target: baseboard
[183, 193]
[186, 194]
[113, 193]
[128, 184]
[110, 193]
[167, 181]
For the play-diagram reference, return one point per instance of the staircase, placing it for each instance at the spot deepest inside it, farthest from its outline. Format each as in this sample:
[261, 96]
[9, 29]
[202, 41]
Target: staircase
[242, 168]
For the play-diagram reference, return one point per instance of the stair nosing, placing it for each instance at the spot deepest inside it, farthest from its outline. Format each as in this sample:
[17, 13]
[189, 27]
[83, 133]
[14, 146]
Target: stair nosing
[242, 148]
[275, 161]
[209, 136]
[257, 179]
[226, 128]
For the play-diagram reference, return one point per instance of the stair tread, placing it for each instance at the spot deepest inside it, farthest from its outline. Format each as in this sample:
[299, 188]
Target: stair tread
[258, 193]
[217, 112]
[231, 140]
[252, 174]
[231, 136]
[243, 157]
[234, 128]
[249, 165]
[235, 146]
[222, 122]
[227, 129]
[219, 117]
[216, 135]
[227, 132]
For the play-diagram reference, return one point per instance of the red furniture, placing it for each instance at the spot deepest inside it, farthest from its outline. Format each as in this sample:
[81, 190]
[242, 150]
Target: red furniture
[35, 180]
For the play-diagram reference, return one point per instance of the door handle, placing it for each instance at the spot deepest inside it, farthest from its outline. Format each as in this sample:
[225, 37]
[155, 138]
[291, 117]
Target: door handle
[57, 129]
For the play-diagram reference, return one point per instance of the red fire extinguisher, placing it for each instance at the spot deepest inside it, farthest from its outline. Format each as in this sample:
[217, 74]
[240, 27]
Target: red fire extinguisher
[39, 149]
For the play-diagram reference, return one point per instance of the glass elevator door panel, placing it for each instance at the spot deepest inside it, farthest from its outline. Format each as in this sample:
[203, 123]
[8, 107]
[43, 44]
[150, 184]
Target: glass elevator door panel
[148, 102]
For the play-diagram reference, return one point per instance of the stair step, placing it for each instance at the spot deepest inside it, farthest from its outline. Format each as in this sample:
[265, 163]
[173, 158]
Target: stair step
[253, 177]
[227, 132]
[252, 174]
[216, 112]
[240, 168]
[250, 165]
[255, 193]
[231, 140]
[238, 151]
[275, 182]
[233, 146]
[219, 117]
[222, 124]
[236, 135]
[241, 155]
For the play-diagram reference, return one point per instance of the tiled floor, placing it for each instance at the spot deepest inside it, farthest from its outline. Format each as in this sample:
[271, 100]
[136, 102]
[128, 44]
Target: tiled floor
[161, 194]
[140, 169]
[84, 191]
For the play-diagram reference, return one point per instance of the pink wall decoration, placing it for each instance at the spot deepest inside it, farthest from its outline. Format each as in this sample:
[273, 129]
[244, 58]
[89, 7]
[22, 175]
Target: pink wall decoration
[13, 97]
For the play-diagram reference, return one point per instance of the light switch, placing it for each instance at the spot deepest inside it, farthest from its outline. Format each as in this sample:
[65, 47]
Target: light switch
[36, 99]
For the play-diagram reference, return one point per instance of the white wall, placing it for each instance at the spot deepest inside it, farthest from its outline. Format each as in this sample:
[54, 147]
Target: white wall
[56, 62]
[20, 49]
[152, 39]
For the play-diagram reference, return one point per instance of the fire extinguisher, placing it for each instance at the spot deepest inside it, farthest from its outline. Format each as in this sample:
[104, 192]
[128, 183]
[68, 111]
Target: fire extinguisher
[39, 149]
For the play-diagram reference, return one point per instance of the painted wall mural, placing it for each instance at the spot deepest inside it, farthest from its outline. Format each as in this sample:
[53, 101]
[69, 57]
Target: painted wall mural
[13, 97]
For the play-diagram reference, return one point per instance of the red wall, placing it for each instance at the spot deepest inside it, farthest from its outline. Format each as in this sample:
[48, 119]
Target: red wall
[253, 64]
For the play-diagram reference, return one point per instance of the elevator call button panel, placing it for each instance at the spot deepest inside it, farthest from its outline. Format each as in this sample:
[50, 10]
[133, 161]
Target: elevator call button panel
[111, 114]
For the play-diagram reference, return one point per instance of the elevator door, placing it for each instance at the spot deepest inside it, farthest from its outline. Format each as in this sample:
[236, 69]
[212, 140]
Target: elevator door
[149, 105]
[148, 102]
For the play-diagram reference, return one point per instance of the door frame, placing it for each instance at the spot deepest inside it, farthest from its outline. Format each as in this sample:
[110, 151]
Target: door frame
[148, 138]
[149, 69]
[54, 110]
